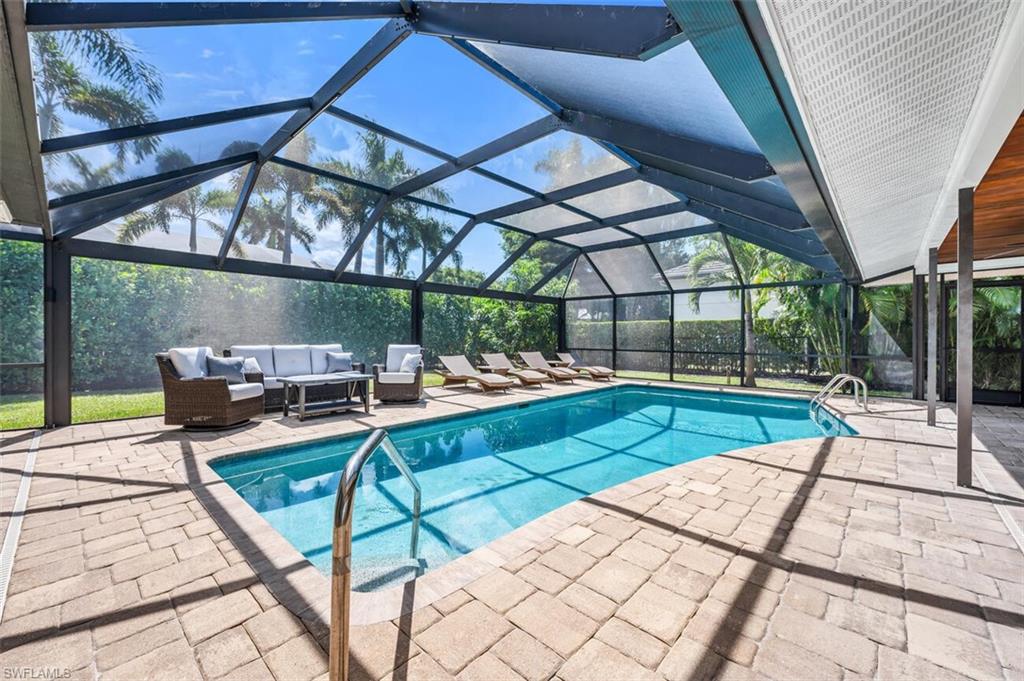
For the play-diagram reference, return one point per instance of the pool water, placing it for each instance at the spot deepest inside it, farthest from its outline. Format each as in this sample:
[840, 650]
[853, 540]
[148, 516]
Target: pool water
[484, 475]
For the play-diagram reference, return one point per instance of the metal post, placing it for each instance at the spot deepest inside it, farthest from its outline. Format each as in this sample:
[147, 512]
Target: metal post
[743, 336]
[57, 334]
[615, 333]
[671, 337]
[918, 327]
[933, 332]
[416, 314]
[561, 326]
[964, 335]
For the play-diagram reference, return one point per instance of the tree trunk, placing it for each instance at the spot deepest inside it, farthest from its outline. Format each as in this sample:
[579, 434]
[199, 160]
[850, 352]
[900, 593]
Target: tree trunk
[749, 342]
[423, 257]
[359, 259]
[378, 260]
[286, 247]
[193, 244]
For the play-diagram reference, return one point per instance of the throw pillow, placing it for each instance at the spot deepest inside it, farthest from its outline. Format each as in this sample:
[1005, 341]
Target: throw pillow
[189, 362]
[228, 367]
[339, 361]
[410, 363]
[252, 366]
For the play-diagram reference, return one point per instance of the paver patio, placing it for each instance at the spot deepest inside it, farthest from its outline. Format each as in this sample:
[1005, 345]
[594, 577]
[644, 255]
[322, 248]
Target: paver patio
[816, 559]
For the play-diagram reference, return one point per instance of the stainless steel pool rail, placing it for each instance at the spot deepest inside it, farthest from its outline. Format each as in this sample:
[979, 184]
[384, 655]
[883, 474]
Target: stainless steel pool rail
[341, 559]
[860, 392]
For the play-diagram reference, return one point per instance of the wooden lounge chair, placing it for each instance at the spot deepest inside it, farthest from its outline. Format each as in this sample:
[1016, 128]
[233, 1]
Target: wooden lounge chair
[574, 361]
[498, 363]
[458, 371]
[536, 361]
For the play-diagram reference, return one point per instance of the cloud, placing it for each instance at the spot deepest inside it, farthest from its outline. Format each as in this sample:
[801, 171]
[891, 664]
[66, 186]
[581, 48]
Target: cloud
[228, 94]
[208, 53]
[184, 75]
[306, 51]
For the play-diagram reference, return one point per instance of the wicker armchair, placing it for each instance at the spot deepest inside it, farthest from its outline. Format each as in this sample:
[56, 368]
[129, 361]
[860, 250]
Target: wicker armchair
[204, 402]
[389, 385]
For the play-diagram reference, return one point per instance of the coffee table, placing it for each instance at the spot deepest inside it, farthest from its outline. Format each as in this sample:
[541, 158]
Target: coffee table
[355, 381]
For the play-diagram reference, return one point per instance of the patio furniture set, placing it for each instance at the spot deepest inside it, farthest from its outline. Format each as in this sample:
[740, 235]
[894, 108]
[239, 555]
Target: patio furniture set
[204, 391]
[495, 372]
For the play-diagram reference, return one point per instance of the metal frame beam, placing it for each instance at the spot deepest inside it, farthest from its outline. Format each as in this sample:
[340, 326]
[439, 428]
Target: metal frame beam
[559, 266]
[733, 42]
[513, 140]
[154, 256]
[717, 159]
[114, 135]
[364, 231]
[57, 336]
[509, 261]
[79, 223]
[236, 215]
[448, 249]
[130, 185]
[386, 39]
[631, 32]
[557, 196]
[645, 241]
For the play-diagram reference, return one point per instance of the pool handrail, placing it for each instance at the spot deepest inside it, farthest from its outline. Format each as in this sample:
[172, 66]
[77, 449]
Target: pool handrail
[835, 385]
[341, 558]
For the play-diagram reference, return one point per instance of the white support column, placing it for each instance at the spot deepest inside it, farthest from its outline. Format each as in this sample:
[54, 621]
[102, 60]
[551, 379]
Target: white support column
[964, 336]
[931, 367]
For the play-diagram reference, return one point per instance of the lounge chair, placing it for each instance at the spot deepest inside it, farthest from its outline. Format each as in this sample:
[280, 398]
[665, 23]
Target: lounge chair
[574, 361]
[498, 363]
[536, 361]
[458, 371]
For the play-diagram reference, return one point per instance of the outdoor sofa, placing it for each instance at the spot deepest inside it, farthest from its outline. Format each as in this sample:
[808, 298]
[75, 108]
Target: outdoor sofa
[287, 361]
[195, 399]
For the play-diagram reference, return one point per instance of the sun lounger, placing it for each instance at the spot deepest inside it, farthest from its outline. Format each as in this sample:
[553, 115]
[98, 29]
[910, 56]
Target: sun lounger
[458, 370]
[574, 361]
[536, 361]
[497, 362]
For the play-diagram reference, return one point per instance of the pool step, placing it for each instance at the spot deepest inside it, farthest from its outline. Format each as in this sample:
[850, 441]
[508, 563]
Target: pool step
[386, 573]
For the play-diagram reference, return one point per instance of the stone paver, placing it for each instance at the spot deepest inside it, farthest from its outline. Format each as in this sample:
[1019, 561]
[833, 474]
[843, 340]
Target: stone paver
[849, 559]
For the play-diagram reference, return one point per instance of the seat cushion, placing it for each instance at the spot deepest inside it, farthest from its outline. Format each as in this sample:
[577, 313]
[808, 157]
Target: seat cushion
[190, 362]
[244, 391]
[396, 353]
[396, 377]
[271, 383]
[264, 354]
[318, 356]
[494, 378]
[292, 360]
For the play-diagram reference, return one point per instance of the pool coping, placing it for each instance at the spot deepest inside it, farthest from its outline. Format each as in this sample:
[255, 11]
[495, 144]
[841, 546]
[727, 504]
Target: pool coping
[301, 587]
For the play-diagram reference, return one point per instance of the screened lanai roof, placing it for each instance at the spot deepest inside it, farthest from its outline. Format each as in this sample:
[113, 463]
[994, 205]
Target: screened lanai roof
[539, 150]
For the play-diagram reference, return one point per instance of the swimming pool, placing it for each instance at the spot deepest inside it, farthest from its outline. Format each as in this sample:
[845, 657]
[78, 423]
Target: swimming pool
[485, 474]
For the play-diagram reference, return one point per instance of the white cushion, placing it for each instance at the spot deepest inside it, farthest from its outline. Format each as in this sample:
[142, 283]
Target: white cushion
[251, 366]
[411, 363]
[396, 353]
[190, 362]
[271, 383]
[245, 391]
[318, 356]
[396, 377]
[264, 354]
[292, 360]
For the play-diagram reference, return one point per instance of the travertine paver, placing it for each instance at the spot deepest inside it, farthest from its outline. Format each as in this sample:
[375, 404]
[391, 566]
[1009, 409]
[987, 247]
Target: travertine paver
[842, 559]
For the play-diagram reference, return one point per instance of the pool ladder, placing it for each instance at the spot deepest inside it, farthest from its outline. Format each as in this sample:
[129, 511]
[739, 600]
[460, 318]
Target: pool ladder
[341, 557]
[860, 392]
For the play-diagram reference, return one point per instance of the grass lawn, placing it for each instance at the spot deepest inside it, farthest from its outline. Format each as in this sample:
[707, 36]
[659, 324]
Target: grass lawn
[26, 411]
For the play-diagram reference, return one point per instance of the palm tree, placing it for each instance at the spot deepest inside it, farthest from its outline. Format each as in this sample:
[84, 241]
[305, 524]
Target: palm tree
[67, 63]
[194, 205]
[87, 176]
[283, 194]
[757, 264]
[403, 226]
